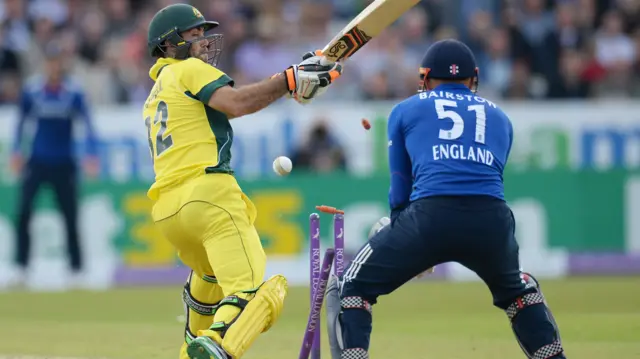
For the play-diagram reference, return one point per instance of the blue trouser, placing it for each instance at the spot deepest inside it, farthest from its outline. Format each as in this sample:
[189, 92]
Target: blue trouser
[475, 231]
[62, 179]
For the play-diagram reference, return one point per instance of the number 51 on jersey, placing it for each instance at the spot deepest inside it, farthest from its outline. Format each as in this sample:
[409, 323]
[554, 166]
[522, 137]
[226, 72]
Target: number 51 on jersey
[458, 124]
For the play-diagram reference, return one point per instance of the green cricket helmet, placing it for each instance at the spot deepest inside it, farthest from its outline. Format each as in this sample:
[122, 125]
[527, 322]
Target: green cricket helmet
[167, 25]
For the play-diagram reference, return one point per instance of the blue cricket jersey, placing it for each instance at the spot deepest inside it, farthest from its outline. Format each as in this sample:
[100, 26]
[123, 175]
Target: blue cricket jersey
[447, 141]
[53, 111]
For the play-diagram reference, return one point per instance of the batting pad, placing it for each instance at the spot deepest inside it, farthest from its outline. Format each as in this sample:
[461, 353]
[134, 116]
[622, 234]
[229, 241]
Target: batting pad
[200, 297]
[257, 317]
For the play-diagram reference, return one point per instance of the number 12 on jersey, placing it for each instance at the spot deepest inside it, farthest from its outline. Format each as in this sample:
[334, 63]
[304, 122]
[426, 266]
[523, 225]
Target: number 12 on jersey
[458, 124]
[162, 142]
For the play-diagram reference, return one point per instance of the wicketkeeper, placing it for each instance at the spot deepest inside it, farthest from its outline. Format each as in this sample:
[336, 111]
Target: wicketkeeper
[447, 151]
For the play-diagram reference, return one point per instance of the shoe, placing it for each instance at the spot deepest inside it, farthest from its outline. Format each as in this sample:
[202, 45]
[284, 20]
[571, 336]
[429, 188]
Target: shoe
[205, 348]
[76, 280]
[17, 279]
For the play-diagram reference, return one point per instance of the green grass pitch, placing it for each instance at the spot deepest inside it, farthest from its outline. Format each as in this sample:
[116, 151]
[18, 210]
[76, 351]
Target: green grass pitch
[599, 318]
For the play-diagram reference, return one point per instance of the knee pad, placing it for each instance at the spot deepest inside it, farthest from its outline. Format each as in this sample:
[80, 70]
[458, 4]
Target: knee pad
[259, 309]
[538, 334]
[334, 308]
[200, 297]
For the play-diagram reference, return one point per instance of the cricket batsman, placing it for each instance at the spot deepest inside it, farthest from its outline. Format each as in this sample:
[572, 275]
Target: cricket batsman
[448, 149]
[199, 207]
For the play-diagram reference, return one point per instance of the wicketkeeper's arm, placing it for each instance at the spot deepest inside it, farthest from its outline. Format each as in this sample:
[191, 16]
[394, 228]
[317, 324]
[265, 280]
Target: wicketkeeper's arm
[399, 165]
[510, 139]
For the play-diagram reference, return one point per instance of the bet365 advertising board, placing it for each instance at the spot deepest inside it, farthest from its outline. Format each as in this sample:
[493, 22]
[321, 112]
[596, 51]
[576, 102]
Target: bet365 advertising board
[573, 181]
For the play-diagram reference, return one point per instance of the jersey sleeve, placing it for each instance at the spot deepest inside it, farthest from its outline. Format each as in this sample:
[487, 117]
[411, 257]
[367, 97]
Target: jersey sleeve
[510, 130]
[202, 79]
[24, 107]
[399, 164]
[84, 114]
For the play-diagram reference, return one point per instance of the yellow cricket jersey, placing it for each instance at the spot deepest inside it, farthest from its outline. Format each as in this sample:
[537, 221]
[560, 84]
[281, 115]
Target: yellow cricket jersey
[186, 137]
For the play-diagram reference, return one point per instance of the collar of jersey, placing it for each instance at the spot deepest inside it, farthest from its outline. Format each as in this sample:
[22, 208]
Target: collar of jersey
[162, 62]
[452, 87]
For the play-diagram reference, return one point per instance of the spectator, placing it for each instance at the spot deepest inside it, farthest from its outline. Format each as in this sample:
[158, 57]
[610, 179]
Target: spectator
[564, 44]
[119, 17]
[16, 25]
[570, 83]
[520, 86]
[261, 57]
[495, 64]
[630, 14]
[321, 152]
[10, 71]
[615, 51]
[93, 26]
[513, 40]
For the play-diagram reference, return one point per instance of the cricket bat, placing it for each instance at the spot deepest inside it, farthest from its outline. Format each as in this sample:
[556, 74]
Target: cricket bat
[367, 25]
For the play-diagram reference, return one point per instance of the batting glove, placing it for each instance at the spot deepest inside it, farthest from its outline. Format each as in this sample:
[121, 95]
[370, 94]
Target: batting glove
[311, 77]
[304, 57]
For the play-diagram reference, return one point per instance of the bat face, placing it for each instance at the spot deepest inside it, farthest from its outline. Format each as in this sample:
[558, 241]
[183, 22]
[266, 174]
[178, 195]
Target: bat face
[367, 25]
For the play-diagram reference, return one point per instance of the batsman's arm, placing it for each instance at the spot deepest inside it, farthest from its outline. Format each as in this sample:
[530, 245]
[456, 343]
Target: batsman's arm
[216, 90]
[248, 99]
[399, 164]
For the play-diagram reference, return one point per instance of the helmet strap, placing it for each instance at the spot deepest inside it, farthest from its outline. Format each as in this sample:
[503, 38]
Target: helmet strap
[422, 85]
[426, 84]
[182, 50]
[476, 81]
[180, 46]
[424, 78]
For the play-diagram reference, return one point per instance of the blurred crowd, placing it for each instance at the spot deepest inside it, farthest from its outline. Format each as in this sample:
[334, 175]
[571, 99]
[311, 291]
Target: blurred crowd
[525, 48]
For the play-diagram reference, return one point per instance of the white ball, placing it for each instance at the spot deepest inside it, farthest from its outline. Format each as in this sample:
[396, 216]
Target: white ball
[282, 165]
